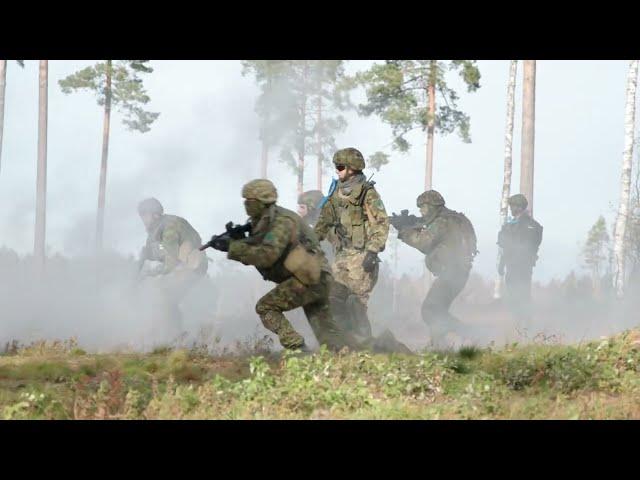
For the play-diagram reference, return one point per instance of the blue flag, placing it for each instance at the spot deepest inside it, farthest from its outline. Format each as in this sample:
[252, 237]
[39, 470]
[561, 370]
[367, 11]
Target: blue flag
[332, 188]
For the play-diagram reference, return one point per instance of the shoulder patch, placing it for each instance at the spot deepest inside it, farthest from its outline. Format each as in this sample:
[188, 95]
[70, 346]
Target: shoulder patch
[269, 237]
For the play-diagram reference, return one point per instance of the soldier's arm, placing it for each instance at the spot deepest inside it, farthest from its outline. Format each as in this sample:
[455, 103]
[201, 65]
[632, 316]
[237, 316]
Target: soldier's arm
[423, 239]
[171, 245]
[325, 221]
[378, 230]
[265, 254]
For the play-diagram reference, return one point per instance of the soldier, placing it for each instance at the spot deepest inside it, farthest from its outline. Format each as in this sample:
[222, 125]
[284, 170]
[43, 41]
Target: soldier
[308, 203]
[285, 250]
[174, 243]
[519, 241]
[448, 241]
[354, 214]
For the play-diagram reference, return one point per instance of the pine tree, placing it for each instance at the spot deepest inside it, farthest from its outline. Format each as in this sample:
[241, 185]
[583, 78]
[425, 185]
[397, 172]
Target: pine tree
[117, 84]
[403, 93]
[41, 181]
[596, 252]
[300, 109]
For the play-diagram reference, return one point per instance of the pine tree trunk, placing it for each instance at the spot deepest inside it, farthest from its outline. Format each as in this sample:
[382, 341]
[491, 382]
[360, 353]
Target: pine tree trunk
[318, 140]
[625, 180]
[528, 130]
[303, 132]
[103, 164]
[264, 159]
[3, 83]
[508, 151]
[41, 182]
[431, 94]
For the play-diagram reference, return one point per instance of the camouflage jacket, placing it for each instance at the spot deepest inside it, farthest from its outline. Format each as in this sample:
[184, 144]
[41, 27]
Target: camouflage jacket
[447, 240]
[357, 219]
[174, 242]
[271, 240]
[519, 241]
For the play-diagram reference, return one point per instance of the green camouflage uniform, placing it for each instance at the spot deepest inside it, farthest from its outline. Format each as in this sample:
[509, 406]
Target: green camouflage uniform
[355, 215]
[311, 199]
[448, 241]
[174, 243]
[266, 248]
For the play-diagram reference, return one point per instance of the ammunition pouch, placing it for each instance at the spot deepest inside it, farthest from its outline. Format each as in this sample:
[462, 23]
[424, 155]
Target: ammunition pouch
[303, 265]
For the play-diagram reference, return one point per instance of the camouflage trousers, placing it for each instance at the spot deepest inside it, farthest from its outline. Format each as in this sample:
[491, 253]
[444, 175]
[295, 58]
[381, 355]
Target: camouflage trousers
[352, 291]
[314, 300]
[435, 308]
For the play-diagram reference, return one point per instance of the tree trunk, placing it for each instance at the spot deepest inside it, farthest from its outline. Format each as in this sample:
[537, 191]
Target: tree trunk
[3, 83]
[431, 94]
[103, 165]
[318, 139]
[303, 132]
[264, 160]
[508, 150]
[625, 180]
[528, 130]
[41, 182]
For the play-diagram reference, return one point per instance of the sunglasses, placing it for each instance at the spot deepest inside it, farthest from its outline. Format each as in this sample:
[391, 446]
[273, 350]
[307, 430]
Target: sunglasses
[340, 167]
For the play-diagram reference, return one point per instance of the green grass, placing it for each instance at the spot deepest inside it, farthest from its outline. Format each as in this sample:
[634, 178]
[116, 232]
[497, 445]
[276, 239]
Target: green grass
[60, 381]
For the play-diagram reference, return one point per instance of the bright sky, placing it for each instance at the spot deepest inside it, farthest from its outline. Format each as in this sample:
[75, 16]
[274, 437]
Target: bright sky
[204, 146]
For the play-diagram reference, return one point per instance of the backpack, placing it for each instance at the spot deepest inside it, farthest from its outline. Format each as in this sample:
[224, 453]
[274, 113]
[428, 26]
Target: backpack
[468, 237]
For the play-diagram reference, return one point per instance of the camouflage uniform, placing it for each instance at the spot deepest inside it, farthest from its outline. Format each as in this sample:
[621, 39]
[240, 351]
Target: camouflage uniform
[174, 243]
[448, 241]
[519, 240]
[312, 199]
[355, 215]
[273, 237]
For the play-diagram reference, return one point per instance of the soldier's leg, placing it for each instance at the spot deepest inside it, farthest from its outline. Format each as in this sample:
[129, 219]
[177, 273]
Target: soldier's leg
[349, 272]
[518, 290]
[435, 309]
[325, 328]
[286, 296]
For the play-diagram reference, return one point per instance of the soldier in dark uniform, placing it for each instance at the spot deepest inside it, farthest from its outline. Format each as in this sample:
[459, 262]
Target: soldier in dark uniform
[519, 241]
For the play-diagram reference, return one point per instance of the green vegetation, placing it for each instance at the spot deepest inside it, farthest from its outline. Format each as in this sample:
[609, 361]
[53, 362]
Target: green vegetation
[595, 380]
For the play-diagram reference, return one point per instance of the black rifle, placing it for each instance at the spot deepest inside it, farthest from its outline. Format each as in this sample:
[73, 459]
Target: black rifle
[404, 220]
[233, 232]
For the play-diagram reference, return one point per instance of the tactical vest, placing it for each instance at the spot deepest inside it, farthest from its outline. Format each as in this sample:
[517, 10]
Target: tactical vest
[303, 257]
[350, 217]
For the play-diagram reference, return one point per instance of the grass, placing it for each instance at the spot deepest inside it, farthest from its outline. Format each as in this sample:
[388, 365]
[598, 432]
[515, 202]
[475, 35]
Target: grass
[60, 381]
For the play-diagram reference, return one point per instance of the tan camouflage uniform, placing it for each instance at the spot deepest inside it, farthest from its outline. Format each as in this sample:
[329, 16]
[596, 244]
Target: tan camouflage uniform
[174, 243]
[356, 217]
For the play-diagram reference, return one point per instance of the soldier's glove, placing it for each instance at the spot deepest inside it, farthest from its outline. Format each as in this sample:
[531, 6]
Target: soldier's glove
[220, 243]
[370, 261]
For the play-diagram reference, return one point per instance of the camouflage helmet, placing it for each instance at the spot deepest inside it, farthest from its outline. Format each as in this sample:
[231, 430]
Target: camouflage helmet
[350, 157]
[518, 200]
[311, 199]
[430, 197]
[150, 205]
[262, 190]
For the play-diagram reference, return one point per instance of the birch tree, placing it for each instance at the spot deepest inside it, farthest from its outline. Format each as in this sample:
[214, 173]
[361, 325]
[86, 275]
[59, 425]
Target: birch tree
[508, 156]
[625, 180]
